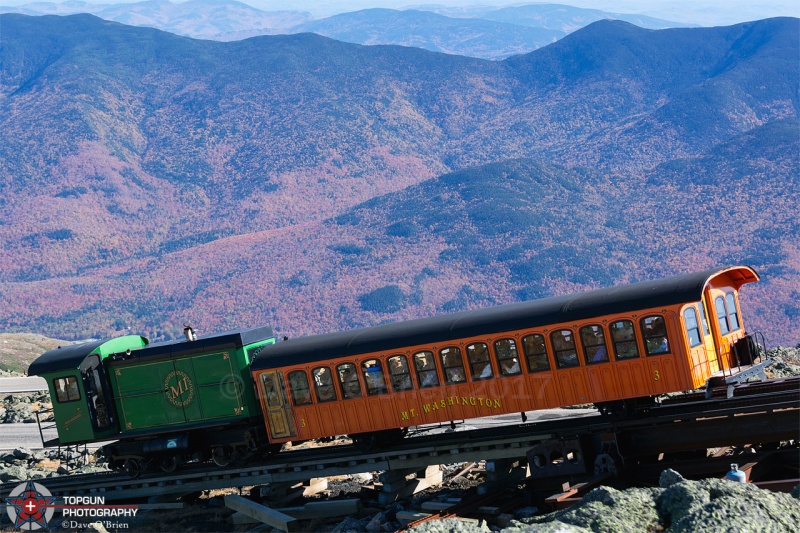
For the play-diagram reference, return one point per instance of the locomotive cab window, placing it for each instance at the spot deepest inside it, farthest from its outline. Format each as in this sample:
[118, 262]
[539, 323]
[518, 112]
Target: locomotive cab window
[453, 365]
[96, 391]
[478, 355]
[348, 380]
[373, 377]
[323, 382]
[594, 344]
[67, 389]
[722, 316]
[426, 369]
[401, 377]
[654, 331]
[564, 347]
[692, 327]
[733, 315]
[623, 337]
[298, 385]
[507, 358]
[535, 353]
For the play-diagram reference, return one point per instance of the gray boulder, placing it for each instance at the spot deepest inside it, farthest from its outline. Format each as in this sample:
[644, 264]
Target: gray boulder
[722, 505]
[22, 453]
[13, 473]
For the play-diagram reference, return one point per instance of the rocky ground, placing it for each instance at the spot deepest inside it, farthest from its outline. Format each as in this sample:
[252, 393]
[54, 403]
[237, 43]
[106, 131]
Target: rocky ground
[677, 505]
[20, 408]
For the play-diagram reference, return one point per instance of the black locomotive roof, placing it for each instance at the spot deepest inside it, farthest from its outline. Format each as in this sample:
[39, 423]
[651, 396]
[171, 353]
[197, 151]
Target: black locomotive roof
[620, 299]
[179, 347]
[63, 358]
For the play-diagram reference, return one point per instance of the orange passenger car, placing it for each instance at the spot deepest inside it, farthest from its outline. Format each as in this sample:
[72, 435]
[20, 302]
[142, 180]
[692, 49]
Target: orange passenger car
[608, 347]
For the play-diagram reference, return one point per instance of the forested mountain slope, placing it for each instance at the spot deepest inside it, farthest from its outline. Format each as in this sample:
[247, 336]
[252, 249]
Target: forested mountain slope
[147, 179]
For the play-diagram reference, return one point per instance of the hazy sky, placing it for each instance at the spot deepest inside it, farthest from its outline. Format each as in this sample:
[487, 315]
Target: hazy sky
[702, 12]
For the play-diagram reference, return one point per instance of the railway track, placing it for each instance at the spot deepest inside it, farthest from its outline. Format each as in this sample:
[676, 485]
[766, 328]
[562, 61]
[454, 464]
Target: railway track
[770, 414]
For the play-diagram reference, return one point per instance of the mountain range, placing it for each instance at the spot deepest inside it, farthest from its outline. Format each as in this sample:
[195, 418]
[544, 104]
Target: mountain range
[488, 33]
[147, 179]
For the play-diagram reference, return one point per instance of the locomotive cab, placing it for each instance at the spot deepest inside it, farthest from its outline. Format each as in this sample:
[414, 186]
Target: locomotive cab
[79, 389]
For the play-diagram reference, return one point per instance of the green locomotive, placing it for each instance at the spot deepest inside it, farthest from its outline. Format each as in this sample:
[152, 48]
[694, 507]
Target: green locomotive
[158, 401]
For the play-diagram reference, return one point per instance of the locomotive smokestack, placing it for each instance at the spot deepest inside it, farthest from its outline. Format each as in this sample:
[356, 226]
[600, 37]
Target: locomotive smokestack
[188, 331]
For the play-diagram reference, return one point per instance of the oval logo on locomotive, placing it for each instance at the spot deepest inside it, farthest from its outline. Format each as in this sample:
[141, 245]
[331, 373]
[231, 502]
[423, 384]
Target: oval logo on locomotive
[179, 388]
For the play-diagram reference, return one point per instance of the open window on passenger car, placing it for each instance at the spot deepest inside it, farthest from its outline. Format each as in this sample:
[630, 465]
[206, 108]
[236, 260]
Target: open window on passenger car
[348, 380]
[623, 337]
[323, 382]
[692, 327]
[733, 314]
[507, 357]
[400, 374]
[722, 316]
[67, 389]
[593, 340]
[425, 364]
[654, 331]
[298, 386]
[374, 377]
[564, 347]
[479, 364]
[535, 353]
[703, 318]
[453, 365]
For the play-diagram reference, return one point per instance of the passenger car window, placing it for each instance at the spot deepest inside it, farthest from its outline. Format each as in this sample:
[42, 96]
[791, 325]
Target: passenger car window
[478, 355]
[298, 386]
[692, 327]
[722, 315]
[426, 369]
[507, 358]
[535, 353]
[373, 377]
[401, 377]
[594, 344]
[348, 380]
[67, 389]
[323, 381]
[703, 319]
[654, 331]
[270, 392]
[733, 315]
[623, 337]
[453, 365]
[564, 347]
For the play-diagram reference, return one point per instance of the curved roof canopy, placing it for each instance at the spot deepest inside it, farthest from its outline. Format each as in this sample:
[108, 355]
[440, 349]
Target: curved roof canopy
[621, 299]
[71, 357]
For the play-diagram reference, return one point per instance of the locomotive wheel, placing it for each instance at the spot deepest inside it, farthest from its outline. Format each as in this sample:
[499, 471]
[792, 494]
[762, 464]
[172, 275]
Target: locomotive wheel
[240, 455]
[133, 467]
[614, 411]
[365, 441]
[222, 455]
[168, 464]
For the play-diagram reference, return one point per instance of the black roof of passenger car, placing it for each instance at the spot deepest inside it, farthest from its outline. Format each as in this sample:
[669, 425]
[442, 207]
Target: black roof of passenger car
[579, 306]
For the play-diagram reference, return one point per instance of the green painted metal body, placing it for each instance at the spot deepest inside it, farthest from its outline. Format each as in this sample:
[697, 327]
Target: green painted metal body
[185, 387]
[78, 388]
